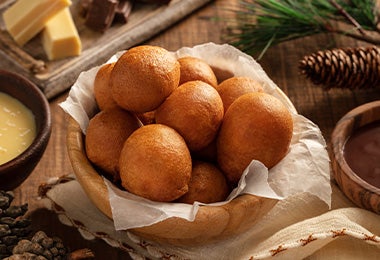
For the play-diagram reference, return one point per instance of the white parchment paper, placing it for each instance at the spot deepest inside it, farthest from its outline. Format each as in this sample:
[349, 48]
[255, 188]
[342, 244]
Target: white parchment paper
[306, 167]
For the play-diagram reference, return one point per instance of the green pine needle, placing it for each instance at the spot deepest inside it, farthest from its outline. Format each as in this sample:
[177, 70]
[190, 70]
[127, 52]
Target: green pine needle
[260, 24]
[364, 12]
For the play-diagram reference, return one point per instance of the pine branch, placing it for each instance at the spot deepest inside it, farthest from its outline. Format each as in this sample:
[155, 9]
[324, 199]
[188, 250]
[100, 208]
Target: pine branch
[364, 38]
[260, 24]
[348, 16]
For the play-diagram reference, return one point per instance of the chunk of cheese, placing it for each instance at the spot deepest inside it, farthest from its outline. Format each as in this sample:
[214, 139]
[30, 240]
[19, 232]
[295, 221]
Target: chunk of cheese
[26, 18]
[60, 37]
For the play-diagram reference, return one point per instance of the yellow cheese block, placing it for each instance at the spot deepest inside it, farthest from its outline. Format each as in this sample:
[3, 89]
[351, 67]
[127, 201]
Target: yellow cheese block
[26, 18]
[60, 37]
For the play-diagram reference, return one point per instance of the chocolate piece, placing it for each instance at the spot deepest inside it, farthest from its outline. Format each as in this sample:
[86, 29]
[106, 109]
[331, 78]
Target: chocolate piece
[123, 10]
[84, 6]
[100, 14]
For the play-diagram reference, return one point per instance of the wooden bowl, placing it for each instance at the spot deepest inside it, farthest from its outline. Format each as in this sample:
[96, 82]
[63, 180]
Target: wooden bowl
[211, 223]
[355, 188]
[14, 172]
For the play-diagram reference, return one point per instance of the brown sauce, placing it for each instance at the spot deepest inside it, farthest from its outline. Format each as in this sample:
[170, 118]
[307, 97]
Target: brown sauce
[362, 153]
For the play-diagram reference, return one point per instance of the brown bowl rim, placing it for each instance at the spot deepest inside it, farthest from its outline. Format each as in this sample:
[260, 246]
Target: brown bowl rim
[43, 134]
[352, 121]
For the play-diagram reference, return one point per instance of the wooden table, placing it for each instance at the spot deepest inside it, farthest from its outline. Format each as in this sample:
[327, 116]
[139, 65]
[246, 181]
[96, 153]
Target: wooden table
[324, 108]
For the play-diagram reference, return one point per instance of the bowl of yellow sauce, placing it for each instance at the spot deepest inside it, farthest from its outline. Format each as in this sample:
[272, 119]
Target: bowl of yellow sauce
[25, 127]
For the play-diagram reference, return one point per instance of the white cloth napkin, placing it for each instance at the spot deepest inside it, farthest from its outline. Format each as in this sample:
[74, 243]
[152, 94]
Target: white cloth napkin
[299, 227]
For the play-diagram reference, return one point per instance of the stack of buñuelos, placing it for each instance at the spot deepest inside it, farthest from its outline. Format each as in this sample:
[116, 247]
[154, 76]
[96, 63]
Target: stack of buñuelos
[179, 135]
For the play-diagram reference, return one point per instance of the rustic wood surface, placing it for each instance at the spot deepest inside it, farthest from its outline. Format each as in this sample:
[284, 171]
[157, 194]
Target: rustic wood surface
[324, 108]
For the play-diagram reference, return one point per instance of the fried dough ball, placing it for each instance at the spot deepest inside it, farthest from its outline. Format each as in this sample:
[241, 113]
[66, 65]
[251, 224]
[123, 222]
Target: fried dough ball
[143, 77]
[195, 110]
[147, 117]
[193, 68]
[102, 89]
[232, 88]
[155, 163]
[256, 126]
[207, 185]
[105, 136]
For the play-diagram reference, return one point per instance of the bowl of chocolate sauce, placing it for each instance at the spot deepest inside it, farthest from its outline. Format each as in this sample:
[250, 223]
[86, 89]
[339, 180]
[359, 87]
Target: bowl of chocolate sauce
[355, 144]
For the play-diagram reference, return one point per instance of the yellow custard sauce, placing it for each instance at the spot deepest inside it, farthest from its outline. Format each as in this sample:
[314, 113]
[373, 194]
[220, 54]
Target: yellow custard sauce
[17, 128]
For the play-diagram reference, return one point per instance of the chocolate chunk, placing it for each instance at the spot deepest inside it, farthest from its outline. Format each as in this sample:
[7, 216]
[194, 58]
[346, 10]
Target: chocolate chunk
[84, 6]
[100, 14]
[123, 10]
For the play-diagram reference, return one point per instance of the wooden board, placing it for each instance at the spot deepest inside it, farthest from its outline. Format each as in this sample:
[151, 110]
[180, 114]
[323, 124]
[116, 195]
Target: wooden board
[53, 77]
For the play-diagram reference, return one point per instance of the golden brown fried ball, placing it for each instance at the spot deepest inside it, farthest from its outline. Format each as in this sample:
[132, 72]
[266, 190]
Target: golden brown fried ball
[155, 163]
[193, 68]
[195, 110]
[102, 89]
[105, 137]
[143, 77]
[232, 88]
[147, 117]
[207, 185]
[256, 126]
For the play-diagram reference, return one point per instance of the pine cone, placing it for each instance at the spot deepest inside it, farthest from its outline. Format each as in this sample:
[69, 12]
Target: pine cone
[349, 68]
[13, 226]
[42, 247]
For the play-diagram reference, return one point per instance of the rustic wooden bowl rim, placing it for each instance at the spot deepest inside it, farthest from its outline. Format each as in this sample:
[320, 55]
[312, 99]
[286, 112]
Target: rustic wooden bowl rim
[16, 170]
[339, 142]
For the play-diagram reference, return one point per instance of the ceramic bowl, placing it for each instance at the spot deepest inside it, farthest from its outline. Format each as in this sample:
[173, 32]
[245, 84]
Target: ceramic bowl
[15, 171]
[355, 188]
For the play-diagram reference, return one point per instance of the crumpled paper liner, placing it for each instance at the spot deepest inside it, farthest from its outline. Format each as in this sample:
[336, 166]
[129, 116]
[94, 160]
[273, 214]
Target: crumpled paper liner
[299, 227]
[307, 161]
